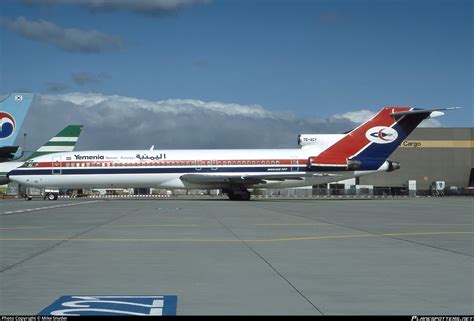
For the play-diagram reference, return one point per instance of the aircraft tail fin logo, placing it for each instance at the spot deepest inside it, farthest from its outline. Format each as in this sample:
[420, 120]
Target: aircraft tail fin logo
[381, 135]
[13, 109]
[64, 141]
[7, 125]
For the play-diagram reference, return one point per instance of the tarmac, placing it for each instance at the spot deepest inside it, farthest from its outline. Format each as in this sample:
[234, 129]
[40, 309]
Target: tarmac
[411, 256]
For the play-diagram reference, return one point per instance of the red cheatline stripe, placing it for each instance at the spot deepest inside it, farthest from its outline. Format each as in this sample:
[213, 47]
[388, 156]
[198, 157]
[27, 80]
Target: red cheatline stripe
[204, 163]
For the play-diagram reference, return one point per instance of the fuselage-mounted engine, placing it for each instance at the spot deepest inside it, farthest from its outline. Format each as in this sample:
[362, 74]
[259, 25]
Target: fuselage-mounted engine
[328, 164]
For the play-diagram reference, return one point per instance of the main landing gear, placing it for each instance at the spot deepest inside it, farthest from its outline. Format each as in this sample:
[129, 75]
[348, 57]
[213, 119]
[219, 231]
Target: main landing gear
[51, 196]
[241, 194]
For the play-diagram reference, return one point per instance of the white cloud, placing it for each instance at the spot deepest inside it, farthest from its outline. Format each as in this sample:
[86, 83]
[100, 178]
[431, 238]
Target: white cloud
[357, 117]
[120, 122]
[430, 122]
[84, 78]
[174, 106]
[363, 115]
[148, 7]
[69, 39]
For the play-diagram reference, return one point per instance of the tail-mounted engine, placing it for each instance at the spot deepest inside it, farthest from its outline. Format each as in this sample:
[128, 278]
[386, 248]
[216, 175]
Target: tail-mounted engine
[393, 166]
[332, 164]
[327, 164]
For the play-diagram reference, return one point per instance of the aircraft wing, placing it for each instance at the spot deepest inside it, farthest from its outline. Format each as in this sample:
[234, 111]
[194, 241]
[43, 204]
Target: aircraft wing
[247, 179]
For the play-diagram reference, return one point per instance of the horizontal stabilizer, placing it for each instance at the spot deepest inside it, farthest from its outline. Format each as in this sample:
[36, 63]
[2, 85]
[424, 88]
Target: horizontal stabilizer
[432, 112]
[8, 153]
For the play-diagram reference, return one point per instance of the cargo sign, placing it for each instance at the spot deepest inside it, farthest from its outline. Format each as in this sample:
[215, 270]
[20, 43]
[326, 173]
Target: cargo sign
[438, 143]
[113, 305]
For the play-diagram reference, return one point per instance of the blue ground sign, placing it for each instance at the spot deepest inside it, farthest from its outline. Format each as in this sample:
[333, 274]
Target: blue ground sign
[113, 305]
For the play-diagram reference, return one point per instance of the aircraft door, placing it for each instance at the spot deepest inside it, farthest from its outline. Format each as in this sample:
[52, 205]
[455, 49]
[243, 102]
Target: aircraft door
[56, 165]
[294, 164]
[198, 165]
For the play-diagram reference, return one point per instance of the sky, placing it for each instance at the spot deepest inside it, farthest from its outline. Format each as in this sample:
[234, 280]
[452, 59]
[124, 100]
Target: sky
[231, 73]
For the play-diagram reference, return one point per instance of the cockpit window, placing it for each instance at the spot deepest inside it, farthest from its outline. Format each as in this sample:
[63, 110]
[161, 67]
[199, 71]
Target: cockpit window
[29, 164]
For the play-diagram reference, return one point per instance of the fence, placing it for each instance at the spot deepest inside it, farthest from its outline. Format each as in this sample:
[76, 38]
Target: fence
[376, 192]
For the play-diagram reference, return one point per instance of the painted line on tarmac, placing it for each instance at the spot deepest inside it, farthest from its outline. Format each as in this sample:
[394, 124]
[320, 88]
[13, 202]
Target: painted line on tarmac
[45, 208]
[294, 224]
[106, 226]
[306, 238]
[22, 228]
[151, 225]
[430, 224]
[195, 225]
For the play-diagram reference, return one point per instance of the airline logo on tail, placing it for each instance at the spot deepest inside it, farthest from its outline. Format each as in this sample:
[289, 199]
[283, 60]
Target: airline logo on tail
[381, 135]
[64, 141]
[7, 125]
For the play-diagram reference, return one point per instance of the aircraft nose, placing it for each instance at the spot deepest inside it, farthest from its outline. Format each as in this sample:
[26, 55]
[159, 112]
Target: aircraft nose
[11, 175]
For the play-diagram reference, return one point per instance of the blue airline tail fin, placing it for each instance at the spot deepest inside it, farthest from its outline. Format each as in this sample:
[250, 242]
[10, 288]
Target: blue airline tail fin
[13, 109]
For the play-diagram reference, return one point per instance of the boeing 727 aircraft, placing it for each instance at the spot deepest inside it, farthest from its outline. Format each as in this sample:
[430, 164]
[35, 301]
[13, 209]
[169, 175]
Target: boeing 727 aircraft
[320, 159]
[13, 109]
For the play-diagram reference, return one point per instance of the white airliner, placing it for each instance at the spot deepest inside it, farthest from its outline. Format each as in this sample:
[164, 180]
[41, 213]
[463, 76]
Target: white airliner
[320, 159]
